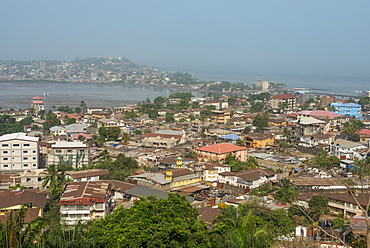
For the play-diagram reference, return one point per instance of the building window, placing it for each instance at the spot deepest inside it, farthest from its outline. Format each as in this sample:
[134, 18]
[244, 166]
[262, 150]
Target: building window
[34, 165]
[15, 144]
[5, 151]
[5, 145]
[39, 179]
[5, 158]
[34, 151]
[26, 144]
[25, 158]
[25, 151]
[69, 150]
[34, 158]
[5, 165]
[25, 165]
[58, 151]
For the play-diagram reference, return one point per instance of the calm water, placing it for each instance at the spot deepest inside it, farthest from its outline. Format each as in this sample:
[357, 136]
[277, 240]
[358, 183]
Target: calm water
[331, 83]
[19, 94]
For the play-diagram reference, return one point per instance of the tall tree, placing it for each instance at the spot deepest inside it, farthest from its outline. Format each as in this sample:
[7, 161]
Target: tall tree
[151, 222]
[287, 193]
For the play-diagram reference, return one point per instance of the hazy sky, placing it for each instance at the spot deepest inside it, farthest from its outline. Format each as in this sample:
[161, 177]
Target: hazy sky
[329, 37]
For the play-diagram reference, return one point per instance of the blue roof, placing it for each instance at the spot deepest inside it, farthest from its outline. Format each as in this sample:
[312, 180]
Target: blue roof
[231, 136]
[351, 104]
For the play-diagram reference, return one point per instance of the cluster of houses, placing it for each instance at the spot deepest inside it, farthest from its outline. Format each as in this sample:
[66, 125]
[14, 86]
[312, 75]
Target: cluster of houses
[186, 155]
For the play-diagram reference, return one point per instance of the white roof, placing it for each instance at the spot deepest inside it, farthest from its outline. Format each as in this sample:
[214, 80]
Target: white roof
[170, 132]
[308, 120]
[19, 136]
[56, 128]
[66, 144]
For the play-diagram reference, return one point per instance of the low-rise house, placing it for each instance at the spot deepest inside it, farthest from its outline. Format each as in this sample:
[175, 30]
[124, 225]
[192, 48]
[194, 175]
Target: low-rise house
[212, 170]
[164, 139]
[31, 179]
[219, 104]
[107, 123]
[316, 140]
[345, 204]
[345, 149]
[86, 175]
[259, 140]
[364, 136]
[247, 179]
[15, 199]
[84, 201]
[73, 129]
[218, 152]
[170, 179]
[57, 131]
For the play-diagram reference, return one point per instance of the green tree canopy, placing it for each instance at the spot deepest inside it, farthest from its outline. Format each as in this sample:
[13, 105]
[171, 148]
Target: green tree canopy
[151, 222]
[318, 205]
[109, 133]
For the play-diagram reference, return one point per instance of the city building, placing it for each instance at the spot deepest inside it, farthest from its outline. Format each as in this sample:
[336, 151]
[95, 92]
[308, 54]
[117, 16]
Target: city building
[247, 179]
[35, 201]
[327, 100]
[220, 117]
[347, 109]
[19, 152]
[37, 104]
[283, 102]
[259, 140]
[84, 201]
[262, 85]
[86, 175]
[74, 153]
[218, 152]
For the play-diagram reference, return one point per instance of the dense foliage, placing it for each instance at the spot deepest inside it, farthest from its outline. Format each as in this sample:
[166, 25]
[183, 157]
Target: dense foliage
[151, 222]
[8, 124]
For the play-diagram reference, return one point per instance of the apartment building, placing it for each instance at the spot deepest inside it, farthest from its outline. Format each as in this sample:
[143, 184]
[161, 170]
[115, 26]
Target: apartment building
[19, 152]
[75, 153]
[84, 201]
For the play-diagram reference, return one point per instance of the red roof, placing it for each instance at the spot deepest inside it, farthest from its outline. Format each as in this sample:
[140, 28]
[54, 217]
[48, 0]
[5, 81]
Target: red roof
[283, 96]
[221, 148]
[319, 113]
[364, 131]
[37, 98]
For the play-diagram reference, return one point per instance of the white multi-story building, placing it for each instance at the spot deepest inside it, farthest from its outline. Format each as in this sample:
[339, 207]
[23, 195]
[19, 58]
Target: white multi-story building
[262, 85]
[19, 152]
[76, 153]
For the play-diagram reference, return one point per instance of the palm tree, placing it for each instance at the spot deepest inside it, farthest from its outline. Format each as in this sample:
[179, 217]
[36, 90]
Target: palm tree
[105, 157]
[287, 192]
[237, 230]
[83, 107]
[13, 233]
[55, 178]
[126, 138]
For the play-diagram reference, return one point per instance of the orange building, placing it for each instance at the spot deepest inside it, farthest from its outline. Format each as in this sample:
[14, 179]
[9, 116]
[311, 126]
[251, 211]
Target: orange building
[218, 152]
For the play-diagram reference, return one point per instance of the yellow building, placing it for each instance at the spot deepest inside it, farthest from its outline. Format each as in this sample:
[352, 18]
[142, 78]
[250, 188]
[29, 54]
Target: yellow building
[221, 117]
[15, 199]
[259, 140]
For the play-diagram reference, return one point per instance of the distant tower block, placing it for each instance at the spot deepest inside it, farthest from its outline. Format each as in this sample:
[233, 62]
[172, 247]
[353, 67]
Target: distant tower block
[262, 85]
[179, 162]
[37, 104]
[169, 174]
